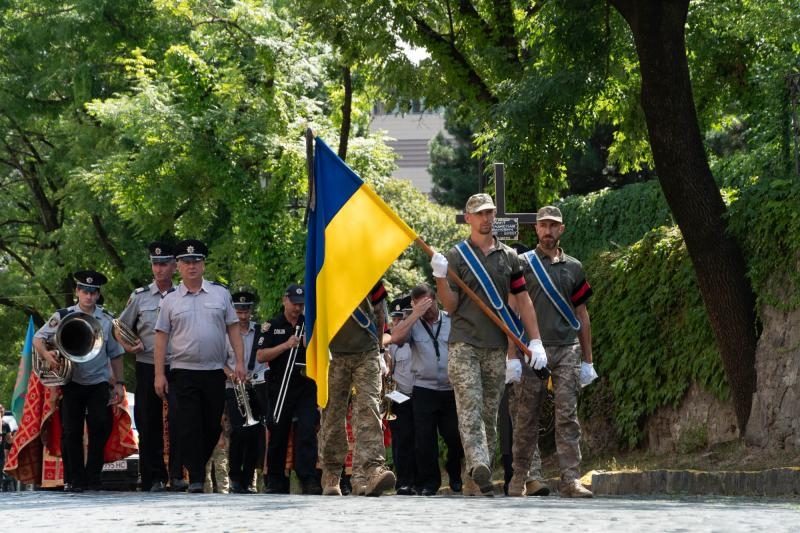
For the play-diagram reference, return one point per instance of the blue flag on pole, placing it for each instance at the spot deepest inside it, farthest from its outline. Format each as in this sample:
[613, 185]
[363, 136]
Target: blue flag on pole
[21, 386]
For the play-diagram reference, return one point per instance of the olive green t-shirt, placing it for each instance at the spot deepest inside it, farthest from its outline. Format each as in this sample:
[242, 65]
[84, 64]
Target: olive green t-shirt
[469, 323]
[569, 278]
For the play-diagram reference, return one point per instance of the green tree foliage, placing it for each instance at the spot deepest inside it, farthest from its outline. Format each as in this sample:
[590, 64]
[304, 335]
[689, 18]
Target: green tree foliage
[188, 120]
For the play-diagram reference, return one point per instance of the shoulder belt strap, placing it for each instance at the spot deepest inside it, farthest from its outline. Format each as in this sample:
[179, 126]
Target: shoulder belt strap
[550, 290]
[363, 320]
[477, 268]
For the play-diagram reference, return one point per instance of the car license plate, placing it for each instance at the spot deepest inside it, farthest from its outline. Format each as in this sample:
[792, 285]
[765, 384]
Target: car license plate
[122, 464]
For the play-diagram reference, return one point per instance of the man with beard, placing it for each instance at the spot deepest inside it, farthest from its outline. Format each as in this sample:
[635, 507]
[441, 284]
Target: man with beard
[557, 285]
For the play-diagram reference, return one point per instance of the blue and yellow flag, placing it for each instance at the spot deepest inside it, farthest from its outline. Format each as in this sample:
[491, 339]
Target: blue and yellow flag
[353, 238]
[24, 372]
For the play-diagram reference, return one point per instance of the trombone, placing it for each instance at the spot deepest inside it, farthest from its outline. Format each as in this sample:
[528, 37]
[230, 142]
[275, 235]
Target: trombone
[287, 373]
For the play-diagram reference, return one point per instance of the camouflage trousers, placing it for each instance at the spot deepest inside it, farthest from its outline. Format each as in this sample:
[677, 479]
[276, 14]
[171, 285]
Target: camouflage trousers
[361, 371]
[217, 471]
[525, 404]
[478, 376]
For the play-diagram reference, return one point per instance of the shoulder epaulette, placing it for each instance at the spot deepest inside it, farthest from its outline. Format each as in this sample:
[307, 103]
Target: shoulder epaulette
[139, 289]
[62, 312]
[219, 283]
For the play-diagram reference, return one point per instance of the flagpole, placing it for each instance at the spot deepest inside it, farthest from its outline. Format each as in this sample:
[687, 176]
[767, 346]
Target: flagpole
[475, 298]
[312, 193]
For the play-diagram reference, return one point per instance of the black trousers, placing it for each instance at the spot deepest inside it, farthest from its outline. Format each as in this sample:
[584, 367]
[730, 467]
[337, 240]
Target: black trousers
[246, 447]
[148, 412]
[175, 459]
[434, 415]
[403, 456]
[299, 405]
[199, 403]
[87, 403]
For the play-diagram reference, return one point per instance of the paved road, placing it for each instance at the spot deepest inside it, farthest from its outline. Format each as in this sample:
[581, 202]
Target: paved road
[109, 511]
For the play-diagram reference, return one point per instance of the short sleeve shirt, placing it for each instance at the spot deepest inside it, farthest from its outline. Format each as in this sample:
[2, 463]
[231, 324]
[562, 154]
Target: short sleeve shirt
[95, 370]
[569, 278]
[469, 323]
[197, 324]
[352, 337]
[278, 331]
[140, 315]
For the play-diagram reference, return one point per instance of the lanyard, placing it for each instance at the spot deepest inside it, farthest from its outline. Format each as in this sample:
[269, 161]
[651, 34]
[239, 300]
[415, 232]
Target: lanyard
[433, 337]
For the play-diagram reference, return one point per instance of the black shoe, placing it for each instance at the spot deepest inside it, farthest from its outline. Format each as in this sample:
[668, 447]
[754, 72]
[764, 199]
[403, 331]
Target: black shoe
[345, 485]
[405, 490]
[195, 488]
[312, 488]
[428, 492]
[178, 485]
[236, 488]
[72, 488]
[456, 486]
[158, 486]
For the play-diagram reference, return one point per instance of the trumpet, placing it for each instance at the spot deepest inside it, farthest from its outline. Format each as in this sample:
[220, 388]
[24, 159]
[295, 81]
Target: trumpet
[243, 403]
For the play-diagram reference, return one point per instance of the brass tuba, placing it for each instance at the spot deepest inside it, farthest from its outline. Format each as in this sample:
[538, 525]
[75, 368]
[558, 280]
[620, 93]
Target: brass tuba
[51, 377]
[124, 332]
[79, 337]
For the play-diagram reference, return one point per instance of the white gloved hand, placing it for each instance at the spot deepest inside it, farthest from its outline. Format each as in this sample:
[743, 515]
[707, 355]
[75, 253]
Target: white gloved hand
[538, 355]
[587, 373]
[439, 265]
[513, 371]
[384, 366]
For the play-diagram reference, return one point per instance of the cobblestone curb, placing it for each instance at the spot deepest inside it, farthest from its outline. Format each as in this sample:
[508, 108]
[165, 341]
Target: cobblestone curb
[774, 482]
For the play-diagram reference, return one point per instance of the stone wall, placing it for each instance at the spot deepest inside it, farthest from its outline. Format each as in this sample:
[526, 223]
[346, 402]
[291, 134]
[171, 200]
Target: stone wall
[700, 421]
[775, 416]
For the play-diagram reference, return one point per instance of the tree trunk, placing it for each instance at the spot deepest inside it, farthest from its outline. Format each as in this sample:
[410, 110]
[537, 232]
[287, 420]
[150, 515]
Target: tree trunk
[347, 112]
[690, 190]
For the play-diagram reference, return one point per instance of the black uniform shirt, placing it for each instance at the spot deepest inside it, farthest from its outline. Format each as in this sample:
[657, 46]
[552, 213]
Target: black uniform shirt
[278, 331]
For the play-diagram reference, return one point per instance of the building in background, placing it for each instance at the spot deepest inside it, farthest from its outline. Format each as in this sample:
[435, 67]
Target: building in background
[409, 136]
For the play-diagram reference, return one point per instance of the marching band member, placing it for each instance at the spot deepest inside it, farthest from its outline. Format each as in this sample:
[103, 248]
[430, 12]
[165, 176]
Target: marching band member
[246, 447]
[292, 396]
[140, 316]
[87, 397]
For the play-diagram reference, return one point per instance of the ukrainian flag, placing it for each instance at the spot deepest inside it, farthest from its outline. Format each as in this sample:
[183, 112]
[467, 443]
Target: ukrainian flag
[353, 238]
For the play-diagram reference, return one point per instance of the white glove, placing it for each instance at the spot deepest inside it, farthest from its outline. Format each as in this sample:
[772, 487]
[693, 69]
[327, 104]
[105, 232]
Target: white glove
[538, 355]
[439, 265]
[384, 366]
[587, 373]
[513, 370]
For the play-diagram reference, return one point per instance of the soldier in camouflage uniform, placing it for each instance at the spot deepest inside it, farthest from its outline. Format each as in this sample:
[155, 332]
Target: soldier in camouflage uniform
[356, 363]
[569, 355]
[477, 346]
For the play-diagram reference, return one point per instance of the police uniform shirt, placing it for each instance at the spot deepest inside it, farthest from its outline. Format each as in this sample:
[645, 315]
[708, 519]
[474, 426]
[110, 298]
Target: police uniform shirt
[247, 341]
[470, 324]
[278, 331]
[140, 315]
[568, 276]
[401, 371]
[96, 370]
[197, 324]
[430, 370]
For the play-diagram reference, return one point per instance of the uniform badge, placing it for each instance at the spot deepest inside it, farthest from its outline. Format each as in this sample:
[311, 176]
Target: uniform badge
[53, 322]
[190, 249]
[260, 341]
[157, 251]
[265, 327]
[129, 302]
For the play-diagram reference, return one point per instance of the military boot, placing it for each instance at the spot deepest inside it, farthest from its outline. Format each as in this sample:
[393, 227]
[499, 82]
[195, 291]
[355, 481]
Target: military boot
[380, 480]
[330, 484]
[516, 487]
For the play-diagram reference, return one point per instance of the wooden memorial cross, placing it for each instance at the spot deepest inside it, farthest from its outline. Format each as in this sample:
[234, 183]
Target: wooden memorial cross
[506, 225]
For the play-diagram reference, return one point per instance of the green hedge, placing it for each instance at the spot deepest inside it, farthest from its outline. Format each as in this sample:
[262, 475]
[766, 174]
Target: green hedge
[651, 335]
